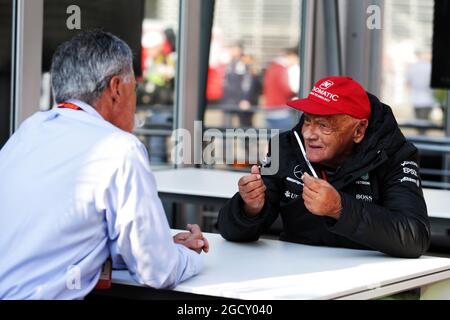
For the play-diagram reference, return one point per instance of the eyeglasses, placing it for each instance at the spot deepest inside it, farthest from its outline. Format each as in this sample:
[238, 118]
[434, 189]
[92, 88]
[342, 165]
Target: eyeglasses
[322, 125]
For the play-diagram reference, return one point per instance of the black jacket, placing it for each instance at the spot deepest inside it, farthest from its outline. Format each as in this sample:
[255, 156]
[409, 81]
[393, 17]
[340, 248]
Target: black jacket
[382, 201]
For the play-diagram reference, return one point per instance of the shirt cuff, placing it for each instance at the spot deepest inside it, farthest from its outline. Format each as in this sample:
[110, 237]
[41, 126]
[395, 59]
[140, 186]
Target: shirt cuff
[193, 261]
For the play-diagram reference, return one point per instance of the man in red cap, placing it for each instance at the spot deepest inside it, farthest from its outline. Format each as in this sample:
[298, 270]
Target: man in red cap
[347, 177]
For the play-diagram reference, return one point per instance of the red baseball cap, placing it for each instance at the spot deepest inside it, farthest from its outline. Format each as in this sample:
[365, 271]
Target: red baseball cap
[335, 95]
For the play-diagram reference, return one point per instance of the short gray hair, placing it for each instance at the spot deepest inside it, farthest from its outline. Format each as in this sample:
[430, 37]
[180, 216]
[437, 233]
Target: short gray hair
[83, 66]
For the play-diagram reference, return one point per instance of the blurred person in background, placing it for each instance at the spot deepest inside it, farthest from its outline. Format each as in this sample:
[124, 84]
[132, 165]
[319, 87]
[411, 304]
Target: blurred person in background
[418, 79]
[278, 88]
[159, 68]
[157, 92]
[240, 84]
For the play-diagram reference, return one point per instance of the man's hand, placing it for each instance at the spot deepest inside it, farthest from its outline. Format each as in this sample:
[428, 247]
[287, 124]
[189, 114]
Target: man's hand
[193, 239]
[252, 191]
[321, 198]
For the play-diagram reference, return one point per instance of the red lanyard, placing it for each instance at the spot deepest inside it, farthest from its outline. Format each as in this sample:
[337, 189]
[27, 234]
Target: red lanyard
[68, 105]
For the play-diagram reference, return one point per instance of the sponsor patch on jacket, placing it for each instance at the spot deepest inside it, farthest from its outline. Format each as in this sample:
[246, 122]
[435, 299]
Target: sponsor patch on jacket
[298, 171]
[365, 176]
[410, 173]
[363, 180]
[364, 197]
[290, 195]
[408, 179]
[412, 163]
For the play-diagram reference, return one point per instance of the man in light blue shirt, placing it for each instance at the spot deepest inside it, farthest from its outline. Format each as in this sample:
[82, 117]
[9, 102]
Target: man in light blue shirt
[76, 186]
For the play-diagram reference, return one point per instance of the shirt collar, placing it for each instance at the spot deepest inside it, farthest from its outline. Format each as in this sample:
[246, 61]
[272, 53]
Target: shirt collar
[86, 107]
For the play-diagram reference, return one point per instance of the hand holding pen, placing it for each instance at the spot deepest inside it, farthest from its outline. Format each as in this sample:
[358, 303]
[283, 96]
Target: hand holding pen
[252, 191]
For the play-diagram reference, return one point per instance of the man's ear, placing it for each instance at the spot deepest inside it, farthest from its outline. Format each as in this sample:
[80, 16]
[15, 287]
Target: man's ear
[360, 130]
[114, 88]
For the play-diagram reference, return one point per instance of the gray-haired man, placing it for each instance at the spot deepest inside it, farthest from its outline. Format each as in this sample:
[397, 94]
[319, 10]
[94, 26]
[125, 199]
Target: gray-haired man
[76, 186]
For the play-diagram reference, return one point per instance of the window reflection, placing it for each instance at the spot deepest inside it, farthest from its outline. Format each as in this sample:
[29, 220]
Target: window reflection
[253, 69]
[406, 63]
[156, 89]
[149, 27]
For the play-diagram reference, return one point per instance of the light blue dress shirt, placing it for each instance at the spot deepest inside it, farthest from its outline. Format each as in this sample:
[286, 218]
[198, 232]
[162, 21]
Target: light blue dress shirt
[73, 190]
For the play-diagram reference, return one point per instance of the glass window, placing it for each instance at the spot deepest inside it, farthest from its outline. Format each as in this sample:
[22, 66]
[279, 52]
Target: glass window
[156, 91]
[253, 69]
[5, 69]
[149, 27]
[406, 80]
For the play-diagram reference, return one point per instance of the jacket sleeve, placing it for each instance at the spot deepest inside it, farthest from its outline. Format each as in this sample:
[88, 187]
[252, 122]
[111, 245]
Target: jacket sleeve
[235, 225]
[399, 225]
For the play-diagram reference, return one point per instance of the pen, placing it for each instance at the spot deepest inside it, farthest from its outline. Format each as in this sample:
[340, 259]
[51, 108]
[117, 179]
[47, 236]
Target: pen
[304, 155]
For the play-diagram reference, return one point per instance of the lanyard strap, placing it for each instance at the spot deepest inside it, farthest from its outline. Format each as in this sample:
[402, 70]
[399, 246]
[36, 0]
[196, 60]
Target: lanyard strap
[69, 105]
